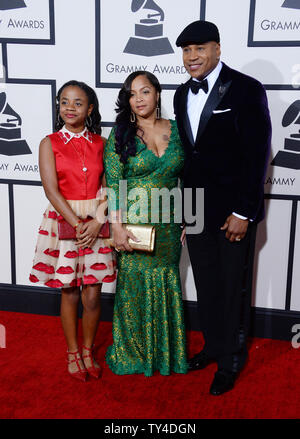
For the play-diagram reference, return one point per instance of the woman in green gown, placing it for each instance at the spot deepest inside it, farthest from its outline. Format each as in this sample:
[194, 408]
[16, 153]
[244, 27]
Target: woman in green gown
[144, 151]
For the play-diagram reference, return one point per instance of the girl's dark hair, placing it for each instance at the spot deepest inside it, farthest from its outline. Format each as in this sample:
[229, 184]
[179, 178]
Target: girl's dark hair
[125, 130]
[93, 124]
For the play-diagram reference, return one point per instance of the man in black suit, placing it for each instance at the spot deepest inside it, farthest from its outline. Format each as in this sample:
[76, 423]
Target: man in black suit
[224, 125]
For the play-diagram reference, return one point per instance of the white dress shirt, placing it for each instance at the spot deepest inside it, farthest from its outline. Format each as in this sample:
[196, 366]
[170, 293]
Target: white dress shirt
[196, 103]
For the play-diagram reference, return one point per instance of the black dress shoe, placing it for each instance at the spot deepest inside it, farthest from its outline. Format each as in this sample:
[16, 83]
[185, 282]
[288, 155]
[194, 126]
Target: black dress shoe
[223, 381]
[199, 361]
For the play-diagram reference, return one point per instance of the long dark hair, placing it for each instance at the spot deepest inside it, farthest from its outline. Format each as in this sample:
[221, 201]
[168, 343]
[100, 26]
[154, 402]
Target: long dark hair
[125, 129]
[95, 117]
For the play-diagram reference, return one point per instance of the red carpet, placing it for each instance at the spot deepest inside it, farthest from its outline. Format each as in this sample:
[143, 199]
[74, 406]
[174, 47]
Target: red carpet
[34, 383]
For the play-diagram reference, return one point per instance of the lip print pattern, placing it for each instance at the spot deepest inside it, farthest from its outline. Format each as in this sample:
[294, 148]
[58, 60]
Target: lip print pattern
[61, 264]
[99, 266]
[65, 270]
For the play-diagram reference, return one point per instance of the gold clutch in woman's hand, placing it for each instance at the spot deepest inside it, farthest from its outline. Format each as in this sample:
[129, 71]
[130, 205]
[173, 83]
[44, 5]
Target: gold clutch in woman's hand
[143, 232]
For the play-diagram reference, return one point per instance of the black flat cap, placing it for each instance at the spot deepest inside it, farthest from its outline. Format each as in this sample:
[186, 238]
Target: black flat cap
[198, 32]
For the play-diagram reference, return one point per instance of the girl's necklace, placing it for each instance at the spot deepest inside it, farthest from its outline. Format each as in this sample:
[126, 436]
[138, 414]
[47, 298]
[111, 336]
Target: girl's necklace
[81, 158]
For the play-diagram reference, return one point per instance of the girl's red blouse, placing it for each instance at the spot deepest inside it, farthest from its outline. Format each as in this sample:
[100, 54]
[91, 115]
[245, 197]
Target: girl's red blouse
[73, 154]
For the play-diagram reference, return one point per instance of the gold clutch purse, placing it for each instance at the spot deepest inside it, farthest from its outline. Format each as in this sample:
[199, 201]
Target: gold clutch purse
[143, 232]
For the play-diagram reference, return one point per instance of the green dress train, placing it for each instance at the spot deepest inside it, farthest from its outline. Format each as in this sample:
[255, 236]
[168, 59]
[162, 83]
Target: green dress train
[148, 325]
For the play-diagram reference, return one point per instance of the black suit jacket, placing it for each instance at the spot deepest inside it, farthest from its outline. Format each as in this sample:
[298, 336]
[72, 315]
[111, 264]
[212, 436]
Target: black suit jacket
[230, 154]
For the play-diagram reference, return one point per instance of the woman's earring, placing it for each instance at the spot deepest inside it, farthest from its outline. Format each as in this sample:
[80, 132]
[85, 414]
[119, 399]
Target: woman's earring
[132, 117]
[88, 122]
[158, 113]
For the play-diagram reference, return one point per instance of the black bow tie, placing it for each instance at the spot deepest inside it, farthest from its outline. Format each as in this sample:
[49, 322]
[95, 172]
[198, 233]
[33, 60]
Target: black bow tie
[195, 86]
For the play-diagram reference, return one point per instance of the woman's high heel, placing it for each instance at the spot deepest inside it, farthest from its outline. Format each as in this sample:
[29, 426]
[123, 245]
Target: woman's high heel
[81, 372]
[92, 370]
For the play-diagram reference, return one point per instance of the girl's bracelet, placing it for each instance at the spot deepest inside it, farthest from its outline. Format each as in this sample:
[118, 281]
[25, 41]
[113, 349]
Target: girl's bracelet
[77, 224]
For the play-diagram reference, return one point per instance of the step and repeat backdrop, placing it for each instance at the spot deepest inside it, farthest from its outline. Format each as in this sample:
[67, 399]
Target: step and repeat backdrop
[44, 43]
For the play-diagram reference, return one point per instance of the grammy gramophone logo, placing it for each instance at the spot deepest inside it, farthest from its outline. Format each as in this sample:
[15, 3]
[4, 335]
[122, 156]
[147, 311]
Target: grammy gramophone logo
[148, 39]
[289, 157]
[11, 4]
[291, 4]
[11, 142]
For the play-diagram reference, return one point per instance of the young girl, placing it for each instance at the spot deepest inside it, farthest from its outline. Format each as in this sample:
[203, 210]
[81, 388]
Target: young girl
[71, 168]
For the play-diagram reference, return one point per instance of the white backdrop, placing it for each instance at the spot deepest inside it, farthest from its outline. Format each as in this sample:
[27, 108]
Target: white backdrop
[45, 43]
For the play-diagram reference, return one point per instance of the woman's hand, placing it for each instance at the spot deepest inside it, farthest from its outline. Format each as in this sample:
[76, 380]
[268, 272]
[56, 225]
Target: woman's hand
[121, 236]
[183, 237]
[87, 233]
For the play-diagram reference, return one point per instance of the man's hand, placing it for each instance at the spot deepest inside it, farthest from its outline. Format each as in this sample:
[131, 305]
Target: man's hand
[235, 227]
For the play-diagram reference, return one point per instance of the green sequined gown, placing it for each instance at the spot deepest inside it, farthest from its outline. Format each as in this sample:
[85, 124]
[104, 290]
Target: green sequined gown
[148, 326]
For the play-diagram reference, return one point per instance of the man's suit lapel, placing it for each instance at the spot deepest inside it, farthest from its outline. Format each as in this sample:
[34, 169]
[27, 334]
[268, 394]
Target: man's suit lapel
[186, 120]
[216, 95]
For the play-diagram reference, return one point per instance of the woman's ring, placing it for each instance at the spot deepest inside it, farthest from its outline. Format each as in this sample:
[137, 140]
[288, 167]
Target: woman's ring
[237, 239]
